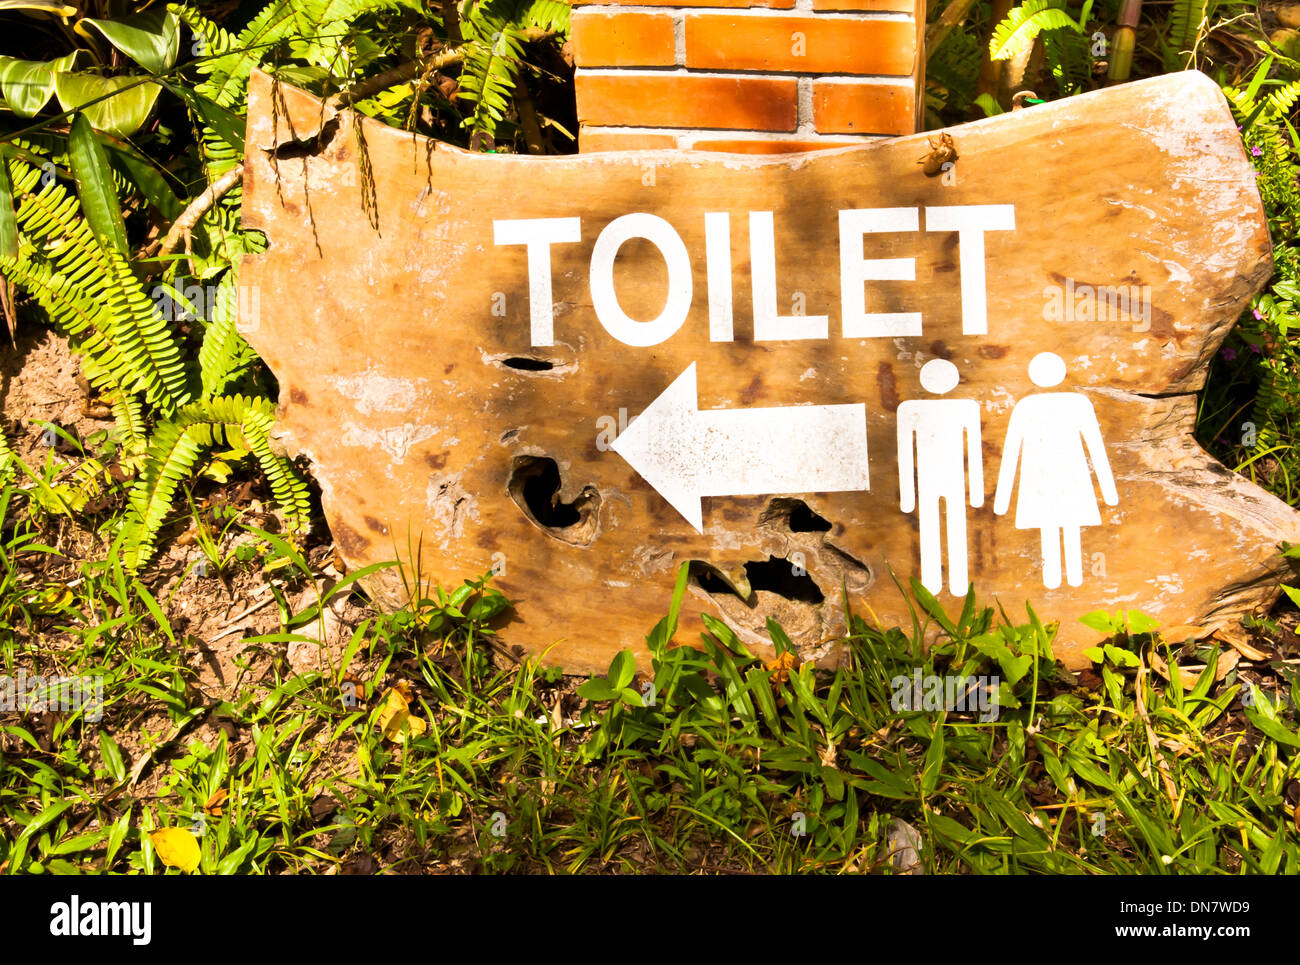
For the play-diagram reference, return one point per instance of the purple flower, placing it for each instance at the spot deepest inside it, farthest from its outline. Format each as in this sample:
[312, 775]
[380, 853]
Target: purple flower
[1256, 151]
[1259, 316]
[1228, 353]
[1256, 349]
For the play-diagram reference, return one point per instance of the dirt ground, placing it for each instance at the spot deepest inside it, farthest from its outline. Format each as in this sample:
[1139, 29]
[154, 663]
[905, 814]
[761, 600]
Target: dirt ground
[211, 614]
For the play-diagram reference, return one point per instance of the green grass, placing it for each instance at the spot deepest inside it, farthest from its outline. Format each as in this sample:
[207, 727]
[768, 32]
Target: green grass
[733, 765]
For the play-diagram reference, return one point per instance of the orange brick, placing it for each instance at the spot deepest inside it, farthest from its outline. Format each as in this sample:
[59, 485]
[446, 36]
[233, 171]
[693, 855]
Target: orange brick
[773, 4]
[652, 99]
[590, 142]
[803, 44]
[862, 108]
[623, 39]
[769, 147]
[893, 6]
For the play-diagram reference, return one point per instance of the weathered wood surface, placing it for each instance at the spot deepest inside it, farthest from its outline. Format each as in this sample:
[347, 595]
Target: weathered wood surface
[390, 318]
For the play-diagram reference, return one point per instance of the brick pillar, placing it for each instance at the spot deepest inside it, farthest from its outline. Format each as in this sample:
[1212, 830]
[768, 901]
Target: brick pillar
[753, 76]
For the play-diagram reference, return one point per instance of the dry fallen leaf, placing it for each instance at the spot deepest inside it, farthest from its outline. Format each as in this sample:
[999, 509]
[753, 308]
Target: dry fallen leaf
[214, 805]
[1159, 666]
[1227, 661]
[395, 718]
[1177, 746]
[1238, 642]
[176, 847]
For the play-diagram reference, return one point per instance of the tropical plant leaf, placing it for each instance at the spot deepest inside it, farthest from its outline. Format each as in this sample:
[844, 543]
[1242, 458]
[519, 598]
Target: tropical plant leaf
[95, 185]
[118, 105]
[151, 38]
[8, 221]
[52, 7]
[28, 85]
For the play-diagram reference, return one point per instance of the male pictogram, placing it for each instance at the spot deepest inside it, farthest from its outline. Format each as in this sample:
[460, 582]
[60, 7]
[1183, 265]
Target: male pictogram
[945, 436]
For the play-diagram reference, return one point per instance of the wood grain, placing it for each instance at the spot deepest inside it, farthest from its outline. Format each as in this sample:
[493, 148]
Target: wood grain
[377, 298]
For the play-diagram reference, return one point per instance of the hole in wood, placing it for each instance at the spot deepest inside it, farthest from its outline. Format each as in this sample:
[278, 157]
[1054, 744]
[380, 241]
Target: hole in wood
[776, 575]
[710, 579]
[780, 576]
[796, 515]
[525, 364]
[535, 487]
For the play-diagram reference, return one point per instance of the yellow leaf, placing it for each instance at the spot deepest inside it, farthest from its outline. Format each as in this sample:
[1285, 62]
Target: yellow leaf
[177, 848]
[396, 720]
[779, 667]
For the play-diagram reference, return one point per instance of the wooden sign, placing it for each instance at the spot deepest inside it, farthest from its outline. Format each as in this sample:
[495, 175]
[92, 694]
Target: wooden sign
[966, 358]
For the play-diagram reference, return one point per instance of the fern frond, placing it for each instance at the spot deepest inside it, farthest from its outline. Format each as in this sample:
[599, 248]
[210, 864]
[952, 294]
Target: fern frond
[1281, 100]
[289, 490]
[1187, 23]
[1014, 35]
[548, 14]
[93, 298]
[175, 450]
[224, 355]
[173, 453]
[493, 50]
[1067, 53]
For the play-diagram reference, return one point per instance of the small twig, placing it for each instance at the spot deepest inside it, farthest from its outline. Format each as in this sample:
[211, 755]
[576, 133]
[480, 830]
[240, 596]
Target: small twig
[196, 209]
[235, 626]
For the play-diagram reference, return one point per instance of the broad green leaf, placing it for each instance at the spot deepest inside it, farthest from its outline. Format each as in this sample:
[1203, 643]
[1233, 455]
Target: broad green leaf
[152, 39]
[95, 185]
[631, 697]
[834, 782]
[112, 756]
[597, 689]
[1271, 728]
[1139, 622]
[1098, 620]
[988, 104]
[932, 606]
[1121, 657]
[621, 670]
[8, 222]
[28, 85]
[118, 105]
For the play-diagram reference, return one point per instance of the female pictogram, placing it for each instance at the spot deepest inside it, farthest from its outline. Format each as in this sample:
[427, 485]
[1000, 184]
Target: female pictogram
[1048, 434]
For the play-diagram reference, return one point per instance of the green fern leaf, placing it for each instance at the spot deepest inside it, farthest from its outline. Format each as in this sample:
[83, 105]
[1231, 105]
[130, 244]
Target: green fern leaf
[1014, 35]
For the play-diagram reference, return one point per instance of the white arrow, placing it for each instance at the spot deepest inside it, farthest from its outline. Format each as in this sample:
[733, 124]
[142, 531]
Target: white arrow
[686, 454]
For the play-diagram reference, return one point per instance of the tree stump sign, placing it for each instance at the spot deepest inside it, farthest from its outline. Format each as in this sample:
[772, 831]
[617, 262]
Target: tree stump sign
[967, 357]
